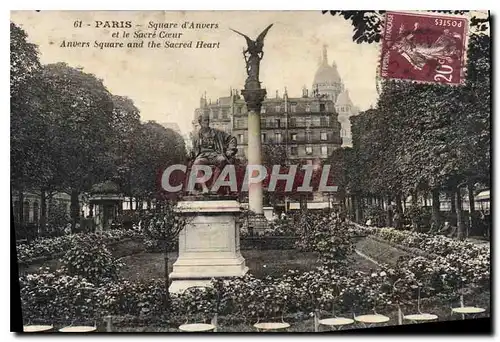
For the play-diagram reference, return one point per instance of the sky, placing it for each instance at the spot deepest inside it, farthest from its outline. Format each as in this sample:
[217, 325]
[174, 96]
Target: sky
[166, 84]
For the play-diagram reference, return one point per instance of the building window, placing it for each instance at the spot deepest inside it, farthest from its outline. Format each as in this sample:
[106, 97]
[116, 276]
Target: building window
[322, 107]
[323, 121]
[263, 109]
[309, 150]
[293, 136]
[277, 137]
[35, 212]
[241, 138]
[224, 113]
[238, 110]
[263, 123]
[324, 150]
[324, 136]
[293, 108]
[215, 114]
[293, 122]
[263, 137]
[293, 150]
[308, 136]
[308, 108]
[278, 121]
[278, 108]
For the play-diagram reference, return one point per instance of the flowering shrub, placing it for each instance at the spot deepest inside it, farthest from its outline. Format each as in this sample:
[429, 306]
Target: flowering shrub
[247, 297]
[54, 246]
[331, 238]
[140, 299]
[56, 296]
[376, 214]
[459, 267]
[89, 258]
[452, 264]
[280, 228]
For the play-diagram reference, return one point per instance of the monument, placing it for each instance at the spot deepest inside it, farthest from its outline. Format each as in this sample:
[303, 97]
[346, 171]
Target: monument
[254, 95]
[209, 246]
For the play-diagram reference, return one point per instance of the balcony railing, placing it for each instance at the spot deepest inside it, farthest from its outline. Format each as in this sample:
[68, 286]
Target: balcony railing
[302, 141]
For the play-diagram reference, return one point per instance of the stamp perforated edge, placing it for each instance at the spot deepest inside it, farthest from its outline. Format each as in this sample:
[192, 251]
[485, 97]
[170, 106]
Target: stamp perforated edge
[464, 56]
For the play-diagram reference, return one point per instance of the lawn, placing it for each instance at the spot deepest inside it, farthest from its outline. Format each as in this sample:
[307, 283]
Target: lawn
[261, 263]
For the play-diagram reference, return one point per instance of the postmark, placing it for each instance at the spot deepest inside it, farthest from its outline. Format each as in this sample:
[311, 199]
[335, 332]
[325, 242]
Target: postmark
[424, 48]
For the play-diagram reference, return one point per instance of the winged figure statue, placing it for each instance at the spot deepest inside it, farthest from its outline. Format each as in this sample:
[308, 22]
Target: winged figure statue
[253, 55]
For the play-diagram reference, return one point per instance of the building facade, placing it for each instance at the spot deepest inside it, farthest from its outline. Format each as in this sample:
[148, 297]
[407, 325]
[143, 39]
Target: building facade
[306, 127]
[327, 82]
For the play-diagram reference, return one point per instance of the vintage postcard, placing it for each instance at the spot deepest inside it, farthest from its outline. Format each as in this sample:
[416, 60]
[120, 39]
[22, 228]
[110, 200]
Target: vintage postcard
[251, 171]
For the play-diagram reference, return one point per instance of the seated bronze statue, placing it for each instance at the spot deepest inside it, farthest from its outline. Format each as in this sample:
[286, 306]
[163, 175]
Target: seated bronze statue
[213, 147]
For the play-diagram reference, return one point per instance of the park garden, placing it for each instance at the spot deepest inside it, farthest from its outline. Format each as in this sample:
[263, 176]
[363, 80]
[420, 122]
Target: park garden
[331, 271]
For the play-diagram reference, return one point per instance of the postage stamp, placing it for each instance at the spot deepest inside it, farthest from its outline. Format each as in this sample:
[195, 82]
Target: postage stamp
[425, 48]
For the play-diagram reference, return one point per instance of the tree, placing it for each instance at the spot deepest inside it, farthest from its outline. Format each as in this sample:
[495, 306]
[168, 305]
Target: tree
[24, 63]
[154, 148]
[164, 226]
[126, 124]
[426, 137]
[80, 112]
[274, 155]
[28, 124]
[341, 169]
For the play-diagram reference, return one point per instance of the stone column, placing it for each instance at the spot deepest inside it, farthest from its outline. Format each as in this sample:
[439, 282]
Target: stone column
[253, 99]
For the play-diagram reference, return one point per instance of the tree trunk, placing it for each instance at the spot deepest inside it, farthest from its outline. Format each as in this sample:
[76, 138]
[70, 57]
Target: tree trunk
[399, 203]
[414, 204]
[131, 201]
[167, 278]
[460, 224]
[436, 215]
[388, 217]
[149, 204]
[472, 211]
[43, 211]
[20, 216]
[74, 208]
[357, 209]
[453, 209]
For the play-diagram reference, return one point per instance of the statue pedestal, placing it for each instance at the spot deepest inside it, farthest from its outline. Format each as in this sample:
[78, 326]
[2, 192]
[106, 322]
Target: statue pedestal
[209, 246]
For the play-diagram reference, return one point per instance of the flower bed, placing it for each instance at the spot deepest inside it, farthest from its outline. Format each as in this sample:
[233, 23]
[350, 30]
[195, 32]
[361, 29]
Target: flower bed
[43, 249]
[244, 299]
[446, 256]
[247, 298]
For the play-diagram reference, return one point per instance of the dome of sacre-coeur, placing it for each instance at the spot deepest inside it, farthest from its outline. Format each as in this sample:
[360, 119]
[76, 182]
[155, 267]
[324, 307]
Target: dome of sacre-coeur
[326, 73]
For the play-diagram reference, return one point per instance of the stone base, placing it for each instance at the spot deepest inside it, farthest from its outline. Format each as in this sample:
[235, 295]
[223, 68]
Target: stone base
[209, 246]
[257, 224]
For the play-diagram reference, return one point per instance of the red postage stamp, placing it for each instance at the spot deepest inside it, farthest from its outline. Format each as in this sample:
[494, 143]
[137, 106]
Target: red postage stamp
[425, 48]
